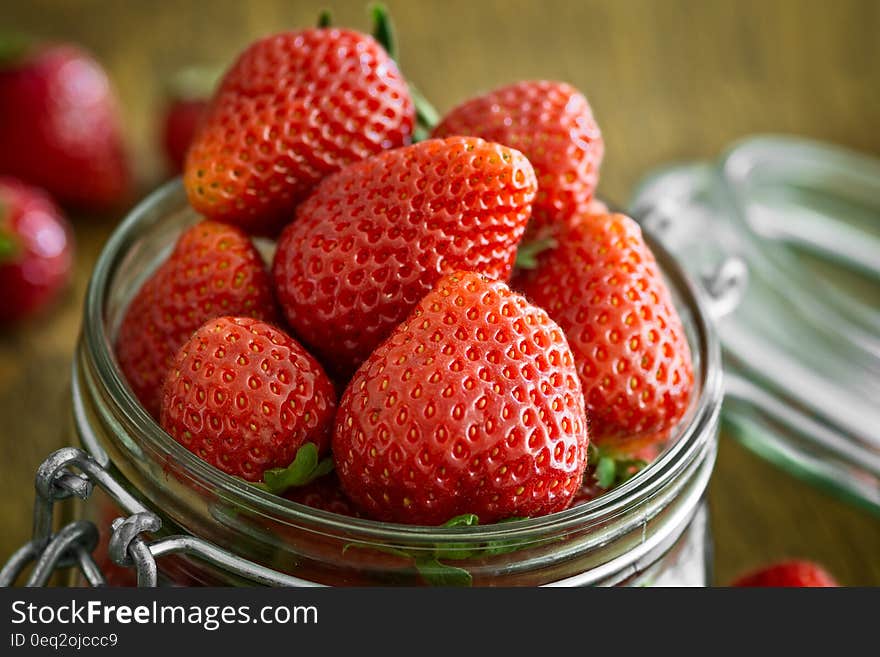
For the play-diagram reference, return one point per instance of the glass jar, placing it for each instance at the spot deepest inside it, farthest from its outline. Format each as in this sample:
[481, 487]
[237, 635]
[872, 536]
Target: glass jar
[652, 529]
[802, 349]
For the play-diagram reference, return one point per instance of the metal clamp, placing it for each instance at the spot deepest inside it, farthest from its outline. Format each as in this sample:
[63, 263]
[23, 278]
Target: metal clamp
[73, 544]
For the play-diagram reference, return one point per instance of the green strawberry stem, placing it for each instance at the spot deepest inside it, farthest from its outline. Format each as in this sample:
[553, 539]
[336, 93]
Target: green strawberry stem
[13, 46]
[325, 19]
[527, 254]
[305, 469]
[611, 469]
[427, 117]
[383, 31]
[193, 83]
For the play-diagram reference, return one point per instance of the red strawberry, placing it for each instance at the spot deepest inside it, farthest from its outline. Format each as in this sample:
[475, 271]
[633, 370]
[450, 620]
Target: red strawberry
[472, 405]
[244, 396]
[294, 108]
[553, 125]
[374, 239]
[179, 125]
[188, 94]
[214, 270]
[604, 288]
[36, 250]
[788, 574]
[59, 126]
[324, 493]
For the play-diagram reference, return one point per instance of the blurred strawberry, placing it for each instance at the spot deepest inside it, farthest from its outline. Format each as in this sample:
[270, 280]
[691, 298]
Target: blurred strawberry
[187, 97]
[788, 574]
[36, 250]
[59, 125]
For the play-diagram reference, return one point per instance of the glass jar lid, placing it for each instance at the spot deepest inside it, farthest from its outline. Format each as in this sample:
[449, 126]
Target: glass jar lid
[796, 224]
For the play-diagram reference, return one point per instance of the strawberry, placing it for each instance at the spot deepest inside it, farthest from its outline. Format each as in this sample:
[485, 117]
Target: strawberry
[179, 125]
[213, 270]
[59, 125]
[325, 494]
[788, 574]
[604, 288]
[553, 125]
[471, 406]
[374, 239]
[294, 108]
[187, 97]
[244, 396]
[36, 250]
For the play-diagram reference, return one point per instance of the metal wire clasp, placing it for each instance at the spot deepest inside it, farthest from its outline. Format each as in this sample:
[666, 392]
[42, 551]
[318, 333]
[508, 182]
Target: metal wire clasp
[73, 544]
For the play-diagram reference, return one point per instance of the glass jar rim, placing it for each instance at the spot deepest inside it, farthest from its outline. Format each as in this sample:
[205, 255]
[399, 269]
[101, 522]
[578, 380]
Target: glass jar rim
[688, 444]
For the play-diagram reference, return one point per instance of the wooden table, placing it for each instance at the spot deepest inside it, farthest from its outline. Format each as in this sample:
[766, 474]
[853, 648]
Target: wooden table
[668, 79]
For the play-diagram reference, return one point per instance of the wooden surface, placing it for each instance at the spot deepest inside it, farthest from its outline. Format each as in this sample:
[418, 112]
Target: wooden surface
[669, 80]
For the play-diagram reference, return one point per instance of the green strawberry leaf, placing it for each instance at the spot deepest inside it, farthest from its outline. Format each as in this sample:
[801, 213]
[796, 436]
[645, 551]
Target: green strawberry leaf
[606, 472]
[384, 32]
[383, 29]
[305, 469]
[527, 254]
[325, 19]
[465, 519]
[457, 551]
[610, 469]
[503, 546]
[441, 574]
[427, 117]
